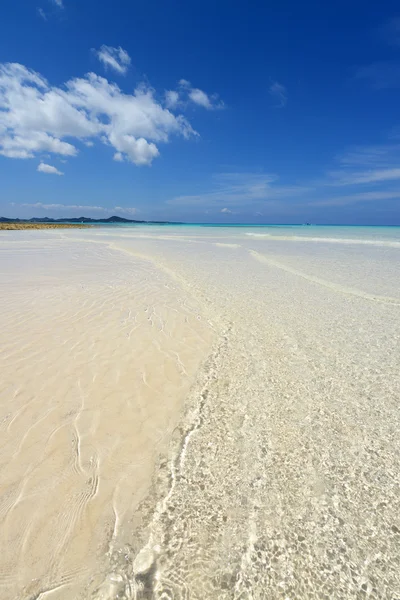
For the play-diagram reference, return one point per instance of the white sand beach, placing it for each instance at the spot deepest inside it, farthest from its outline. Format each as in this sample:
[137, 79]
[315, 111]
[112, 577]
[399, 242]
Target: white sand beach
[199, 413]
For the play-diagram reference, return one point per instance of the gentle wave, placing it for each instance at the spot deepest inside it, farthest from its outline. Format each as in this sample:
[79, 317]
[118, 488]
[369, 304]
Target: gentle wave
[298, 238]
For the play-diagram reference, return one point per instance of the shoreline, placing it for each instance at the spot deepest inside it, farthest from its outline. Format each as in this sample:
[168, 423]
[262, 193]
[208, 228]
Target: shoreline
[25, 226]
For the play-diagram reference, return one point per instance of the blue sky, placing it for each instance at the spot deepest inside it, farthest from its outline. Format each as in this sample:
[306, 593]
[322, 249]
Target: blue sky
[205, 112]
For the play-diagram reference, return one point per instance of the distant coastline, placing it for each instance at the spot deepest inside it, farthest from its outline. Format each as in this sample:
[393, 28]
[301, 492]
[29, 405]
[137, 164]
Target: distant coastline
[115, 220]
[81, 220]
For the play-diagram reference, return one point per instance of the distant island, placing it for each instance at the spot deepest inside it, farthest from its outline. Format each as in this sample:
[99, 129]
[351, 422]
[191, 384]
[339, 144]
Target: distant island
[113, 219]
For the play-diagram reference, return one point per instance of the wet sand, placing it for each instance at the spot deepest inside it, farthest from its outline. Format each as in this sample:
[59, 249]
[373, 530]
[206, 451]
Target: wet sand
[262, 461]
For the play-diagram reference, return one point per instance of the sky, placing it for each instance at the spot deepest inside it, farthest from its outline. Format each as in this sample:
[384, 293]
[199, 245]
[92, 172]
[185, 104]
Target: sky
[215, 111]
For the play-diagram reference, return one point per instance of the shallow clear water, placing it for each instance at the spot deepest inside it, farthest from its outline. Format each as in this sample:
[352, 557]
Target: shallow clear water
[326, 232]
[280, 478]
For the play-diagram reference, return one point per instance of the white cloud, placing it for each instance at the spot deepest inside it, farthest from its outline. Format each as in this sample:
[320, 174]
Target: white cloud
[384, 155]
[366, 174]
[140, 151]
[194, 95]
[73, 207]
[115, 58]
[278, 91]
[201, 98]
[226, 210]
[341, 178]
[27, 144]
[42, 13]
[58, 3]
[238, 189]
[35, 117]
[127, 209]
[79, 207]
[366, 165]
[49, 169]
[171, 98]
[118, 157]
[372, 196]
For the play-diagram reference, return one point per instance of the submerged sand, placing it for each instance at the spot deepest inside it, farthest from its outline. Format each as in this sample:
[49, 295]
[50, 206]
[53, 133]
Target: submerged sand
[199, 414]
[98, 352]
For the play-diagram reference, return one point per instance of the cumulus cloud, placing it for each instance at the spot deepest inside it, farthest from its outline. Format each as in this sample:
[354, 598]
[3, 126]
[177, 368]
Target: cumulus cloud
[226, 210]
[278, 91]
[114, 58]
[140, 151]
[35, 117]
[49, 169]
[26, 144]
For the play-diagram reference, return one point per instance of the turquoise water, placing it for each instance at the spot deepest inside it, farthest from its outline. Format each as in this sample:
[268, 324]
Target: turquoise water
[328, 233]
